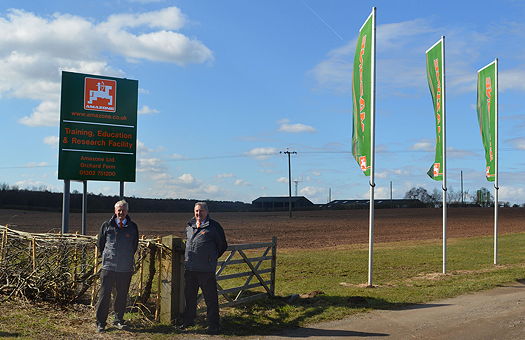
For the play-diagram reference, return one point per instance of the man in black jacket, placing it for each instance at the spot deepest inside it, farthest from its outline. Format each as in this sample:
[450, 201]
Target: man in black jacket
[117, 242]
[205, 243]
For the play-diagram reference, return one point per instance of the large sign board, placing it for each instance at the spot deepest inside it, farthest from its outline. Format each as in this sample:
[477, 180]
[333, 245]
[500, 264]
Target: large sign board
[98, 128]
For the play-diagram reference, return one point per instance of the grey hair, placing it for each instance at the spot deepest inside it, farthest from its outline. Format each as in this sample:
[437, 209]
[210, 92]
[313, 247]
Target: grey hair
[122, 203]
[203, 205]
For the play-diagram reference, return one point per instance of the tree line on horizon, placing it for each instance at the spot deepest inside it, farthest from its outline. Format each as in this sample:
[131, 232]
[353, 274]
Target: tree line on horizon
[40, 198]
[481, 198]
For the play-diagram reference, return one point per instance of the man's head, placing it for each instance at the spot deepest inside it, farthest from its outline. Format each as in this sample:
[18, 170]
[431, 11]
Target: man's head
[121, 209]
[201, 211]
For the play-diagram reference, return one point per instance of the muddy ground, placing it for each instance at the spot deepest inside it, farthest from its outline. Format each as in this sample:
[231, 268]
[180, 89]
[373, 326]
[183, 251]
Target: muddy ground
[306, 229]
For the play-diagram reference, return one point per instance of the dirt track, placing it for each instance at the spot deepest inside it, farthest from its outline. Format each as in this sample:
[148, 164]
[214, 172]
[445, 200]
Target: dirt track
[307, 229]
[493, 314]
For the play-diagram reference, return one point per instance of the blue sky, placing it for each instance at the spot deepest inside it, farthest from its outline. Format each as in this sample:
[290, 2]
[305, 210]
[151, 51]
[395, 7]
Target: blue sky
[225, 85]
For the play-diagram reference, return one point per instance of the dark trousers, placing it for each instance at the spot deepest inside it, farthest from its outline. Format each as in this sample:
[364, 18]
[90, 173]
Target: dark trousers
[208, 284]
[108, 280]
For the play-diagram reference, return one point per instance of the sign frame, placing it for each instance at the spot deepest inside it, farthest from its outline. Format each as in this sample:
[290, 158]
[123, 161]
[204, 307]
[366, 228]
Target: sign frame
[98, 128]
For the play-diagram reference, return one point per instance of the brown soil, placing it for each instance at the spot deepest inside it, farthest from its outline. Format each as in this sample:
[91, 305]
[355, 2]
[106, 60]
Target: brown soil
[306, 229]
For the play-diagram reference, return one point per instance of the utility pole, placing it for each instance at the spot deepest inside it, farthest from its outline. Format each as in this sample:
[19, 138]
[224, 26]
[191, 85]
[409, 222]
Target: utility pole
[391, 201]
[289, 180]
[462, 203]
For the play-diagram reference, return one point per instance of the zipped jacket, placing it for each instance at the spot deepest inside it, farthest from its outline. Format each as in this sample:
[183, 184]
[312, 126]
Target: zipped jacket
[204, 245]
[118, 245]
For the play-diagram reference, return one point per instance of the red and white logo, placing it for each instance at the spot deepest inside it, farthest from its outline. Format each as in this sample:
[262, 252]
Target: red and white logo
[362, 163]
[436, 169]
[100, 94]
[487, 172]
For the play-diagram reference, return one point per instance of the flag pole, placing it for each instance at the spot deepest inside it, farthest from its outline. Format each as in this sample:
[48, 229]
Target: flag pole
[372, 153]
[444, 186]
[496, 186]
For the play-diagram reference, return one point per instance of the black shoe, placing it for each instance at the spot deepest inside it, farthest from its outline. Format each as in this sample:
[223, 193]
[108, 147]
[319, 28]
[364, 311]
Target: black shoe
[213, 331]
[185, 326]
[101, 329]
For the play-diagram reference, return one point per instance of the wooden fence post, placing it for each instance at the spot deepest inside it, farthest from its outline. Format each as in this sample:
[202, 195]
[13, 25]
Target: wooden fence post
[33, 253]
[172, 281]
[95, 270]
[4, 245]
[274, 265]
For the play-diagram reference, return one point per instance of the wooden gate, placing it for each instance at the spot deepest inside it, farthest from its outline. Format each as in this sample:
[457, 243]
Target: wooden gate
[248, 267]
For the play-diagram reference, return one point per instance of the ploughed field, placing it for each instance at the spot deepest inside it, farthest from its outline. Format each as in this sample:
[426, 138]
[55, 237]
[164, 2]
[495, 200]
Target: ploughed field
[306, 229]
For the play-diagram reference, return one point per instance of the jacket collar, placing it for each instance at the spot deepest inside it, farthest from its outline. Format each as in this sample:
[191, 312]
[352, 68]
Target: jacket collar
[193, 222]
[114, 219]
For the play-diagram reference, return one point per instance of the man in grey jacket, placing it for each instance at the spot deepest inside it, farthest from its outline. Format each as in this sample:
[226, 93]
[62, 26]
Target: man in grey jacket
[117, 242]
[205, 243]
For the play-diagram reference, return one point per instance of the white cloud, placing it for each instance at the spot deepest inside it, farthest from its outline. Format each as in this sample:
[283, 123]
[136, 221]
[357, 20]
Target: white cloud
[294, 128]
[34, 49]
[400, 172]
[459, 153]
[176, 156]
[423, 145]
[381, 192]
[146, 110]
[211, 189]
[511, 79]
[170, 18]
[381, 174]
[261, 153]
[311, 191]
[51, 140]
[36, 164]
[229, 175]
[161, 177]
[334, 72]
[149, 165]
[146, 1]
[45, 114]
[186, 178]
[511, 194]
[400, 57]
[282, 180]
[240, 182]
[142, 148]
[519, 143]
[31, 184]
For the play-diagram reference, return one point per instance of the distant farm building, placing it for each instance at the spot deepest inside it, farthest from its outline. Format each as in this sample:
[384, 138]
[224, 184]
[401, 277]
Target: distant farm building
[364, 204]
[281, 203]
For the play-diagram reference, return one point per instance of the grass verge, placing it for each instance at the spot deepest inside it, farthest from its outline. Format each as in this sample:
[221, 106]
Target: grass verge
[318, 285]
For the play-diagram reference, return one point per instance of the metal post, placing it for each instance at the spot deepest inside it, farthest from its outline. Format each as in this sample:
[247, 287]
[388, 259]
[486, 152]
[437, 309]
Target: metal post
[496, 179]
[121, 195]
[462, 194]
[391, 200]
[372, 155]
[289, 186]
[84, 208]
[444, 187]
[65, 206]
